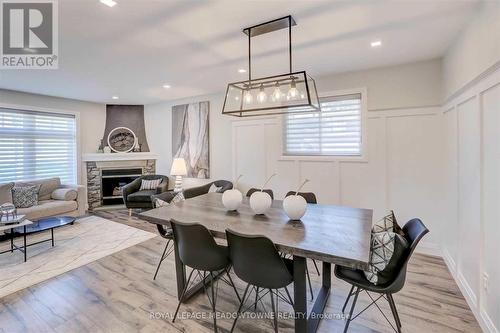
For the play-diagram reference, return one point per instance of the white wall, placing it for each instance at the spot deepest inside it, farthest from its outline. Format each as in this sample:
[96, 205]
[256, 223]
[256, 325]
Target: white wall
[470, 246]
[92, 116]
[471, 123]
[402, 170]
[158, 122]
[476, 49]
[403, 86]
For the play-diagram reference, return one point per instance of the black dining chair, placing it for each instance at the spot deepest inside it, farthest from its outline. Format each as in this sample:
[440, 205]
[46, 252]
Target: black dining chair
[167, 234]
[309, 196]
[311, 199]
[257, 262]
[199, 251]
[414, 231]
[268, 191]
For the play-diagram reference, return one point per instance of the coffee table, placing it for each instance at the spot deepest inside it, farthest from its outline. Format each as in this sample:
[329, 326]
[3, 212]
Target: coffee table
[44, 224]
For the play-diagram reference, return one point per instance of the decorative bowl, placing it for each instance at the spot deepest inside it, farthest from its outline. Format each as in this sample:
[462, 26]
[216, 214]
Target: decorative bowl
[260, 202]
[231, 199]
[295, 206]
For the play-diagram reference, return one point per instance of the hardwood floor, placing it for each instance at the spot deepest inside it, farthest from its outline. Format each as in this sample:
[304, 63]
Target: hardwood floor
[117, 294]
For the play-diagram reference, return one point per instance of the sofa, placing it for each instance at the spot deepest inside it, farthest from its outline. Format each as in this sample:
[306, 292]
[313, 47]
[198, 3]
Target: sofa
[223, 185]
[133, 197]
[54, 198]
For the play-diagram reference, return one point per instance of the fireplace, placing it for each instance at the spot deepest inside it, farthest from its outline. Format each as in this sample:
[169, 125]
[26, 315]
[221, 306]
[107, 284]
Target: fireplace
[108, 173]
[112, 182]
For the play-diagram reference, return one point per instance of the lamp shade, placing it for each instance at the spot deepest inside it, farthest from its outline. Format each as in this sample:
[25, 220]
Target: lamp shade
[178, 167]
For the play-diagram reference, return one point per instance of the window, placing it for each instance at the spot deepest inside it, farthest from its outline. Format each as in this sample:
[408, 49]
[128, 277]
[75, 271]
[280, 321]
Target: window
[335, 131]
[36, 145]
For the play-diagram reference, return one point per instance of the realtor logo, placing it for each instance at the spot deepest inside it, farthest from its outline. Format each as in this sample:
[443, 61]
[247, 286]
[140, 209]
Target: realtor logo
[29, 34]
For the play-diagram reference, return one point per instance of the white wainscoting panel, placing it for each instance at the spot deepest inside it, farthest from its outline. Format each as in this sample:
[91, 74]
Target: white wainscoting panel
[450, 233]
[469, 193]
[490, 296]
[361, 181]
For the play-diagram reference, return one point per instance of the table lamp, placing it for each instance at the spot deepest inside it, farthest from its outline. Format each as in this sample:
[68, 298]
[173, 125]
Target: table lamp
[178, 170]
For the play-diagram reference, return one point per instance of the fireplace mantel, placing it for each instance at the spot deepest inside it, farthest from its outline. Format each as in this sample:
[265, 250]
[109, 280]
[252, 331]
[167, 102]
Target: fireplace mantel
[104, 157]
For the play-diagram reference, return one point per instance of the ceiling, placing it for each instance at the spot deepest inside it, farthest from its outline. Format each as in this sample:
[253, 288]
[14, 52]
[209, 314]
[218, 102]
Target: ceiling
[197, 47]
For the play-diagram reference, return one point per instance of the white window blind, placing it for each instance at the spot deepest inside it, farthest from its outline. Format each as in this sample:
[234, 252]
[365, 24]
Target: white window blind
[37, 145]
[336, 130]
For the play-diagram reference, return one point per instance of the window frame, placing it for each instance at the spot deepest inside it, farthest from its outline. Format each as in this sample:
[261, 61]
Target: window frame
[75, 114]
[352, 158]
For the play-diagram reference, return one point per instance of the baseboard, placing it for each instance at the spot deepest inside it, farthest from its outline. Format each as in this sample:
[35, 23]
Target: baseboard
[481, 316]
[488, 323]
[450, 262]
[467, 291]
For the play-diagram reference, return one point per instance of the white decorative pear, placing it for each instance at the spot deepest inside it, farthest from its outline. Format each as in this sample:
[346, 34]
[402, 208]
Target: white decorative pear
[231, 199]
[260, 201]
[295, 205]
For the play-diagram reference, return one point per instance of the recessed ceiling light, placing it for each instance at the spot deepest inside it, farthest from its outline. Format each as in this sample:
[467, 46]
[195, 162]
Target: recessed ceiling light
[109, 3]
[242, 70]
[376, 43]
[114, 97]
[166, 86]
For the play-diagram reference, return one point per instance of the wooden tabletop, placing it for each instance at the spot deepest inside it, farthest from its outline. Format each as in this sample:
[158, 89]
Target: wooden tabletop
[335, 234]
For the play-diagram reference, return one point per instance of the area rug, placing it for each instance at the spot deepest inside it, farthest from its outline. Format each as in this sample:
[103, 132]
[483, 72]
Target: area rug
[89, 239]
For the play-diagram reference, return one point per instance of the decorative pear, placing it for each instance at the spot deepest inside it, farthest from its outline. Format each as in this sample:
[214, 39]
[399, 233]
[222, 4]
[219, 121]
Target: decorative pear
[231, 199]
[295, 205]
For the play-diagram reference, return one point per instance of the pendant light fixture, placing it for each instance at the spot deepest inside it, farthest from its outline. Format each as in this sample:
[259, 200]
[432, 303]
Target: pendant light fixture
[293, 92]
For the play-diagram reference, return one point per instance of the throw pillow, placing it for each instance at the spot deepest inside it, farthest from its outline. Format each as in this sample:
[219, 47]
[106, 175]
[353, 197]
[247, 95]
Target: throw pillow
[388, 223]
[67, 194]
[25, 197]
[214, 189]
[47, 186]
[150, 184]
[388, 250]
[6, 193]
[160, 203]
[178, 198]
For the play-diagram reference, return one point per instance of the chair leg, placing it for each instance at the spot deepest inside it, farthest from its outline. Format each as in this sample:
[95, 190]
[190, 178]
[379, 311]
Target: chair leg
[352, 310]
[129, 212]
[240, 307]
[392, 304]
[275, 315]
[212, 287]
[182, 295]
[310, 285]
[232, 284]
[316, 266]
[289, 296]
[347, 299]
[256, 298]
[161, 259]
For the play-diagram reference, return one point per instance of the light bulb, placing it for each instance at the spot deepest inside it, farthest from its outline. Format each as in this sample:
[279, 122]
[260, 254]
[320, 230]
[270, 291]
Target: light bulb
[248, 97]
[293, 92]
[277, 92]
[261, 96]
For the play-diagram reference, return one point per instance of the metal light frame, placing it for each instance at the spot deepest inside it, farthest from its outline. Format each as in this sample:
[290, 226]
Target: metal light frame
[268, 81]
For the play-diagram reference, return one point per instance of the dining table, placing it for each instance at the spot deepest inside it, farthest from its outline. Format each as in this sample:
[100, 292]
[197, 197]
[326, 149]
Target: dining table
[331, 234]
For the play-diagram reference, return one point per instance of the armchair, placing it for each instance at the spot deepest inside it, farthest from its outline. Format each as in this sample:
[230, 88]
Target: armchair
[133, 197]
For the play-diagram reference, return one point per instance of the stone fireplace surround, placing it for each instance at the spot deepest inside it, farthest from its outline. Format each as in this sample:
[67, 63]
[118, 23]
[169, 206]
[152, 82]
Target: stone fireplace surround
[95, 163]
